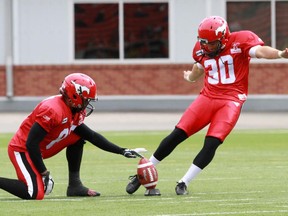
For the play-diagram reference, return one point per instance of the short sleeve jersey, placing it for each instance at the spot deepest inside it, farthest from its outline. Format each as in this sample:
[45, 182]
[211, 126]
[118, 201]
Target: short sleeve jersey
[226, 75]
[56, 118]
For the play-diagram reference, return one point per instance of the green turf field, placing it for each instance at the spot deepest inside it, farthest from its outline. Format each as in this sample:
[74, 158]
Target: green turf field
[248, 176]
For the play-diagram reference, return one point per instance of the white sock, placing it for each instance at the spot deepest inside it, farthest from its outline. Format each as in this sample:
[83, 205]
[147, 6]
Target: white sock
[192, 172]
[154, 160]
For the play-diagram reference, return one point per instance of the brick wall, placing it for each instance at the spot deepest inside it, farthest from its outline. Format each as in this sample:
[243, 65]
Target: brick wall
[135, 79]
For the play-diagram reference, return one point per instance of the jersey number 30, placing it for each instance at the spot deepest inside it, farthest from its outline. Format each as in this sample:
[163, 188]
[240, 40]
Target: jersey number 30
[225, 74]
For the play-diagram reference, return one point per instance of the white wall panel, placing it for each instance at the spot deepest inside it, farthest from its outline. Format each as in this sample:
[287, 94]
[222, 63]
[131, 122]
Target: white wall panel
[43, 30]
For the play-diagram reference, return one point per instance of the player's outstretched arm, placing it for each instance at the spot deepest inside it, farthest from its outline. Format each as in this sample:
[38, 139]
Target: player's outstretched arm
[268, 52]
[283, 53]
[101, 142]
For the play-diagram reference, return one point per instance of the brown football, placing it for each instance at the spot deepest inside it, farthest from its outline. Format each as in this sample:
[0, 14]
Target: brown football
[147, 173]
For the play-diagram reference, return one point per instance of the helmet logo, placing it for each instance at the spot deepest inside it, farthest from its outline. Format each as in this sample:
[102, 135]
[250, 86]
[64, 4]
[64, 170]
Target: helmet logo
[80, 89]
[221, 29]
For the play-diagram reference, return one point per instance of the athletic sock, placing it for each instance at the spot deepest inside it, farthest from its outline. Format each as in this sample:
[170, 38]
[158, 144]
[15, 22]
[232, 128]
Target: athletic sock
[74, 179]
[154, 160]
[192, 172]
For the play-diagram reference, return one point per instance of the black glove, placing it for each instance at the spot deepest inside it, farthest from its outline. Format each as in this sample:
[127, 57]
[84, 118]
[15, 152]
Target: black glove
[48, 183]
[128, 153]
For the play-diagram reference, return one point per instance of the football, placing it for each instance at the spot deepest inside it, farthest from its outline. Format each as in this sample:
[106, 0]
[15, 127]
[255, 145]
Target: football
[147, 173]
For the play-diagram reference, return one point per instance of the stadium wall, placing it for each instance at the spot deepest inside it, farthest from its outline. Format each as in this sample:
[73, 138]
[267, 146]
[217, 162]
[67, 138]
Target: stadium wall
[140, 87]
[37, 43]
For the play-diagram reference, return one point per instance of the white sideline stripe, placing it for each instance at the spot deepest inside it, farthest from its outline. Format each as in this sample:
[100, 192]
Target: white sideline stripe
[226, 213]
[45, 200]
[25, 172]
[66, 199]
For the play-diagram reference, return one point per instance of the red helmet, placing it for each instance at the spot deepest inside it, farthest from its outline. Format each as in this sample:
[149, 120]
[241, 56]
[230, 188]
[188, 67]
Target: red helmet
[79, 89]
[213, 29]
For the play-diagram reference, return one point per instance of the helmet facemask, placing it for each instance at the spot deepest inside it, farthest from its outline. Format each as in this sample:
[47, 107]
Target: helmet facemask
[207, 51]
[86, 105]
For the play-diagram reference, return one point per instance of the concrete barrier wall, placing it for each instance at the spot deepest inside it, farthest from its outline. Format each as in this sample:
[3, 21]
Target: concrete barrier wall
[140, 87]
[168, 103]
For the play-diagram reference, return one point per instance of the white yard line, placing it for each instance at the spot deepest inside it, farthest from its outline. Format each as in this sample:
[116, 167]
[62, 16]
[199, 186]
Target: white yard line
[227, 213]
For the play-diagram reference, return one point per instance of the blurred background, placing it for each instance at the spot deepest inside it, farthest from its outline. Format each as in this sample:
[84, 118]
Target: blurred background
[135, 50]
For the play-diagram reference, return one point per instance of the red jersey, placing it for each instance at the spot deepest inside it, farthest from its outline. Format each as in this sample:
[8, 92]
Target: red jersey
[56, 118]
[226, 75]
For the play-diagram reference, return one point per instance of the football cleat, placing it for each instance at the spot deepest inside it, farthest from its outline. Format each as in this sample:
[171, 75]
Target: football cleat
[181, 188]
[81, 191]
[152, 192]
[133, 185]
